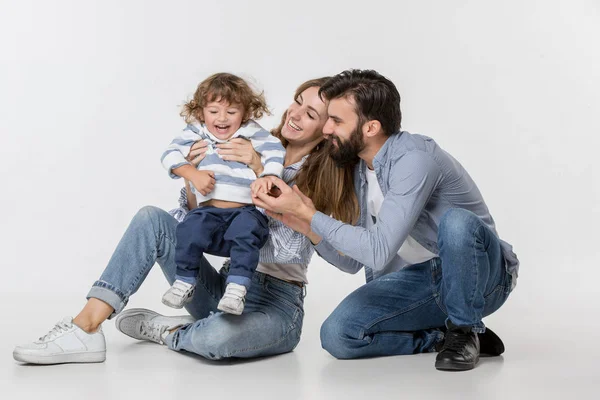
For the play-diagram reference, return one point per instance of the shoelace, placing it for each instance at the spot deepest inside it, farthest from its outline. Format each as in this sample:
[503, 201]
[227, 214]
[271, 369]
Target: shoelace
[152, 331]
[455, 341]
[61, 326]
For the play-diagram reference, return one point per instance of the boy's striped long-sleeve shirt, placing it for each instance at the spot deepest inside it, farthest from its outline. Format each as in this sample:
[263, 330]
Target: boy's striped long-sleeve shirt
[232, 178]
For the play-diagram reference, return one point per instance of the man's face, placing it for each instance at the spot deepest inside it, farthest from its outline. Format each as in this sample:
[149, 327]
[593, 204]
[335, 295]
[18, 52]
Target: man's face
[344, 135]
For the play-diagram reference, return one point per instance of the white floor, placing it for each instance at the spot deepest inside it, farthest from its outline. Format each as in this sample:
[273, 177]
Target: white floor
[552, 352]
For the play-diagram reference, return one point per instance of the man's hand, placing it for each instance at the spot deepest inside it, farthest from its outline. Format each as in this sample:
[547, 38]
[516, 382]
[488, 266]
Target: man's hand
[203, 181]
[291, 207]
[261, 185]
[292, 222]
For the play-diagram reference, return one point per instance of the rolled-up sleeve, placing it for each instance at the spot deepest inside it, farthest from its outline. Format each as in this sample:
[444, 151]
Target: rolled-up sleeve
[180, 212]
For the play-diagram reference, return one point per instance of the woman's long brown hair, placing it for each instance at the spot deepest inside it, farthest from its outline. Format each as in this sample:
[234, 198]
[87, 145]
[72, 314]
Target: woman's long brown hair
[329, 187]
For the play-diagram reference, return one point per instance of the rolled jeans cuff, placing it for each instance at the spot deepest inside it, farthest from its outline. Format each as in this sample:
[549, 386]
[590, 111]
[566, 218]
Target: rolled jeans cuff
[240, 280]
[477, 328]
[110, 295]
[440, 337]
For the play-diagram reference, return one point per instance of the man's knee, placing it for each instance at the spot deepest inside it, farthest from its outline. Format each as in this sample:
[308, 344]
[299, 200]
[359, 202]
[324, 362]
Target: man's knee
[458, 225]
[334, 337]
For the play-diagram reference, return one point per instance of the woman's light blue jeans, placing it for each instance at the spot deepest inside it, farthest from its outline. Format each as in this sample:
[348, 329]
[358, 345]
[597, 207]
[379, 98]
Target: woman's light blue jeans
[272, 319]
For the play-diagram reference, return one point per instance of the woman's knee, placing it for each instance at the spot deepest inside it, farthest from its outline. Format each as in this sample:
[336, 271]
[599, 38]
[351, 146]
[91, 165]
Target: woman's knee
[207, 342]
[154, 219]
[217, 337]
[150, 213]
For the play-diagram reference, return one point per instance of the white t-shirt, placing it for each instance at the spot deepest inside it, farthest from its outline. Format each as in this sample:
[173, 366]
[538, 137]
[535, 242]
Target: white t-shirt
[410, 251]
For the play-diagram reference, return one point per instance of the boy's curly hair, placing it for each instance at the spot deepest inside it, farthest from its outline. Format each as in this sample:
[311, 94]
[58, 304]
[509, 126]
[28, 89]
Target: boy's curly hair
[229, 88]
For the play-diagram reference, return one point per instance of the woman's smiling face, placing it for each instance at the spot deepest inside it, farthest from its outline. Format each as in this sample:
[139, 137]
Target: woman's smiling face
[305, 117]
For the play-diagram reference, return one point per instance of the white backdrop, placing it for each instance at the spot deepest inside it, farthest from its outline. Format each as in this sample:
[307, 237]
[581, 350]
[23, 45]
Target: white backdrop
[90, 94]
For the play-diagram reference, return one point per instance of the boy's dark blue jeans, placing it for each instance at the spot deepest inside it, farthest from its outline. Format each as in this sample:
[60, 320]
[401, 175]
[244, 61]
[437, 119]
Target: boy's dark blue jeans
[238, 233]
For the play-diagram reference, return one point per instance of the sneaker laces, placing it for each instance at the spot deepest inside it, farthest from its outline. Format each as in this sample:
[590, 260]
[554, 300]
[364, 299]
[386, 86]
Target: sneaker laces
[456, 341]
[61, 326]
[152, 331]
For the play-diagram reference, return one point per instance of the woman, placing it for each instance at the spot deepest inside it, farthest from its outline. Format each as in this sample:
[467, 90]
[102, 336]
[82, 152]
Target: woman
[272, 319]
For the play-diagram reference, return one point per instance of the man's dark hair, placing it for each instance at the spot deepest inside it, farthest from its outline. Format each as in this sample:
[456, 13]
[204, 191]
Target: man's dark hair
[376, 97]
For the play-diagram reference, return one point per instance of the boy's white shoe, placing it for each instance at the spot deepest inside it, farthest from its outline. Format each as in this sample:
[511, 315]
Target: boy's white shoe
[65, 343]
[143, 324]
[179, 294]
[233, 300]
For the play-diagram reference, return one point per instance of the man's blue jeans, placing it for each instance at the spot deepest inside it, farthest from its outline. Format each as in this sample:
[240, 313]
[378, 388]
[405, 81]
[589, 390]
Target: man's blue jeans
[402, 312]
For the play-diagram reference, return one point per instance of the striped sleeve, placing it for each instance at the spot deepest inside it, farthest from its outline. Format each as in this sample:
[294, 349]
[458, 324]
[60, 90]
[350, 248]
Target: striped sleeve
[180, 212]
[270, 148]
[174, 155]
[288, 244]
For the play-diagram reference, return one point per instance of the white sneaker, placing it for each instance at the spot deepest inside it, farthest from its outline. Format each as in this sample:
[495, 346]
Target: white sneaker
[179, 294]
[65, 343]
[143, 324]
[233, 300]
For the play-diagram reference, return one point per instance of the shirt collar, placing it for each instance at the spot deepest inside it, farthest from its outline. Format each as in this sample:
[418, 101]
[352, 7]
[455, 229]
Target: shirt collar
[296, 166]
[382, 154]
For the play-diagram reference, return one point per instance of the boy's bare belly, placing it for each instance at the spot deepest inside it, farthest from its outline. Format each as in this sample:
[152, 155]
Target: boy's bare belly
[222, 204]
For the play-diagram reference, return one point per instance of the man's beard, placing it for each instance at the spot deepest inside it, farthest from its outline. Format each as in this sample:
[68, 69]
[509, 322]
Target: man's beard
[346, 153]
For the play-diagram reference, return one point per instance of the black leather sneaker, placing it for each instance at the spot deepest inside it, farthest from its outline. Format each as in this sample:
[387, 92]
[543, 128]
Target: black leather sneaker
[460, 351]
[490, 345]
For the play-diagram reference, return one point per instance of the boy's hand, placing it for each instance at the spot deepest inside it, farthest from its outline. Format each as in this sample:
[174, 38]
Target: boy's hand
[203, 181]
[261, 185]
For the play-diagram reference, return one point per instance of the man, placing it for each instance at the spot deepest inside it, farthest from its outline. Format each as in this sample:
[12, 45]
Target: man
[433, 261]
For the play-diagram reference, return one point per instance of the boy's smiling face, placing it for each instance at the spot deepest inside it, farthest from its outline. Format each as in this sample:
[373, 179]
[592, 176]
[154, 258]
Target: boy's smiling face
[223, 119]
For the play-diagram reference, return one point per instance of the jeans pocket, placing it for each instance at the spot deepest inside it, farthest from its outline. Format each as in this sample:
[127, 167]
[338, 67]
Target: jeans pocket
[282, 295]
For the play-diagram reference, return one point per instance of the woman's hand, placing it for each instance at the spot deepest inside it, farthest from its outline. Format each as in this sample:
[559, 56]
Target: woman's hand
[192, 201]
[241, 150]
[197, 152]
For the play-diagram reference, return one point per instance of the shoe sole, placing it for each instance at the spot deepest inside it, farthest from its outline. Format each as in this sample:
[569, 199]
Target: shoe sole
[455, 366]
[229, 310]
[88, 357]
[177, 306]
